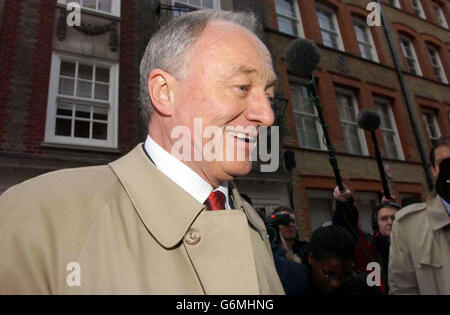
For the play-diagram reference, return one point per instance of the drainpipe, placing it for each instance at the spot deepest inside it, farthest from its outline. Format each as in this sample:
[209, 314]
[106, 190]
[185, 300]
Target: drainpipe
[406, 97]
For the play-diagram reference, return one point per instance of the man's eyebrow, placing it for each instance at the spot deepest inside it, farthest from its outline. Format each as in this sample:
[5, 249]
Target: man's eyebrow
[243, 69]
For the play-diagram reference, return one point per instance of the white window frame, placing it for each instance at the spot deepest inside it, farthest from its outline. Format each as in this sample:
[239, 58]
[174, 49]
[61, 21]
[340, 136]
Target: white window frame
[296, 20]
[434, 122]
[371, 43]
[418, 9]
[326, 9]
[440, 15]
[115, 7]
[112, 131]
[216, 4]
[398, 144]
[397, 4]
[411, 47]
[437, 67]
[362, 138]
[295, 85]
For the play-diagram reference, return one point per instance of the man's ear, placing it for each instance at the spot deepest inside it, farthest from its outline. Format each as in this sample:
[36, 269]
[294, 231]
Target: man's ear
[160, 86]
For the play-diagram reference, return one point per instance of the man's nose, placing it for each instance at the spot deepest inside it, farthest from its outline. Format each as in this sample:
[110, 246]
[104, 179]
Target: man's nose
[261, 111]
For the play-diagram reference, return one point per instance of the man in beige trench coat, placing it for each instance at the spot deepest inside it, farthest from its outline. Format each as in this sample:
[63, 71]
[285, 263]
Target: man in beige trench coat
[419, 259]
[139, 224]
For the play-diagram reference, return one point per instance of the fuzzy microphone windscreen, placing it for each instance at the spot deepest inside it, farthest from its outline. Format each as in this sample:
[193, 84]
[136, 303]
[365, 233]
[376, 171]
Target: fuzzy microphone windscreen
[303, 57]
[368, 119]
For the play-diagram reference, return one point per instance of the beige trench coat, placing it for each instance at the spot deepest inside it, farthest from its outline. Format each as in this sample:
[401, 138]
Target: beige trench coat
[419, 259]
[131, 230]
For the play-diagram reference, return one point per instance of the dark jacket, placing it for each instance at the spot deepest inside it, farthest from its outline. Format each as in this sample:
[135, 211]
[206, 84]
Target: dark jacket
[294, 277]
[368, 248]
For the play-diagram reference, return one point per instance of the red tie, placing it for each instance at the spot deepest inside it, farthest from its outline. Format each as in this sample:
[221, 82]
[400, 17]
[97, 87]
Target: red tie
[215, 201]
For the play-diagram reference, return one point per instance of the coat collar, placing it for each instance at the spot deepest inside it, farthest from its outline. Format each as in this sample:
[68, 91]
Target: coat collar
[165, 208]
[437, 214]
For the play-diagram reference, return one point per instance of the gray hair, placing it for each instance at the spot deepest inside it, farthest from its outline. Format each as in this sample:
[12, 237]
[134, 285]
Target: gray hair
[169, 46]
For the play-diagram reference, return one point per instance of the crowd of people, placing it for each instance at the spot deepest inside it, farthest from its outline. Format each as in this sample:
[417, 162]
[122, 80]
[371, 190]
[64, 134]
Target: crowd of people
[413, 254]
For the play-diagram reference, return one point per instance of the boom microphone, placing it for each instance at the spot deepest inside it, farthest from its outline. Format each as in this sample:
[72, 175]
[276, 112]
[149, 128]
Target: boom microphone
[370, 120]
[303, 57]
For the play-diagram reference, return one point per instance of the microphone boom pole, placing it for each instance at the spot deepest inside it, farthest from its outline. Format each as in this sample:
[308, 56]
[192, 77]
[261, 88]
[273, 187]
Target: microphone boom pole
[313, 96]
[384, 183]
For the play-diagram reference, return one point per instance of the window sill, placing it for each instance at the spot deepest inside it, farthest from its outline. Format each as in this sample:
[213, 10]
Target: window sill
[79, 147]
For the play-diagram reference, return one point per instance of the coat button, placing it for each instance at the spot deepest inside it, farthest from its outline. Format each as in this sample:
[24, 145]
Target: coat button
[192, 237]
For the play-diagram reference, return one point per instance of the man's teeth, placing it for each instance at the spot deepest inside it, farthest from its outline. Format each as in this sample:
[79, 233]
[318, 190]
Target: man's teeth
[242, 136]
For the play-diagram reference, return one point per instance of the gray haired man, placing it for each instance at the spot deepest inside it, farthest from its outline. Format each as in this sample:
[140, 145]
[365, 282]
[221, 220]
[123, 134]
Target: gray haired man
[141, 224]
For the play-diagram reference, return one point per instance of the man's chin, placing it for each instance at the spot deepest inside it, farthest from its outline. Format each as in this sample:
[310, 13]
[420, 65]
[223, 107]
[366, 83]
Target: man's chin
[239, 168]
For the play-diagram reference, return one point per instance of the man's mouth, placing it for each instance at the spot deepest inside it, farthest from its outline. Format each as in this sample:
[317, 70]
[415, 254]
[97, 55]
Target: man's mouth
[242, 136]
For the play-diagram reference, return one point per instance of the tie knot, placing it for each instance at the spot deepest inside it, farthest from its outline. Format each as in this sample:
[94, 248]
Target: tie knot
[215, 201]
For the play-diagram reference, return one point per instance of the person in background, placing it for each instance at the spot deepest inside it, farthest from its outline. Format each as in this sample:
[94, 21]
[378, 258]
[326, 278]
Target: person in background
[329, 264]
[295, 249]
[368, 248]
[419, 261]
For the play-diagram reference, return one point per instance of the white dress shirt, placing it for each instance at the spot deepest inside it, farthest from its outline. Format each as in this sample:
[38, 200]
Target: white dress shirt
[181, 174]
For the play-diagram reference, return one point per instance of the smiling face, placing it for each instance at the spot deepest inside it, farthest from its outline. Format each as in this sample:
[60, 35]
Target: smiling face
[228, 82]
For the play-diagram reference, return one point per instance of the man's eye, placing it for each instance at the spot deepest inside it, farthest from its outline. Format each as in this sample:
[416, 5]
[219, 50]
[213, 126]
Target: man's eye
[244, 88]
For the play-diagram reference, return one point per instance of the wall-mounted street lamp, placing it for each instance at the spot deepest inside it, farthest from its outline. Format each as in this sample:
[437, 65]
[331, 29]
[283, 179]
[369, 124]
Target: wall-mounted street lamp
[279, 106]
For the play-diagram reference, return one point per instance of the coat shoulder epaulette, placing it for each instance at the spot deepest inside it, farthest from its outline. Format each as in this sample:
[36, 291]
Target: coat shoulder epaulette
[406, 211]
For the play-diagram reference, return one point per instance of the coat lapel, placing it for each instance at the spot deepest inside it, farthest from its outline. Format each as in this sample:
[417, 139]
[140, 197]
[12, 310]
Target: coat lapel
[165, 208]
[223, 258]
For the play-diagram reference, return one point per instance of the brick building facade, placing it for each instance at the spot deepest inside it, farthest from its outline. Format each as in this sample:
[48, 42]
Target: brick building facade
[69, 97]
[357, 71]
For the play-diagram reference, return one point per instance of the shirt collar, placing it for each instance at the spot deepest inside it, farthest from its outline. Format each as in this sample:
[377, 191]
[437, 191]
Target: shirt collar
[181, 174]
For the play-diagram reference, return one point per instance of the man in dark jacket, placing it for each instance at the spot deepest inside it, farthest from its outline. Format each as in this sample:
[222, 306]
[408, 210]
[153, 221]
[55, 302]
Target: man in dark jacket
[295, 249]
[368, 248]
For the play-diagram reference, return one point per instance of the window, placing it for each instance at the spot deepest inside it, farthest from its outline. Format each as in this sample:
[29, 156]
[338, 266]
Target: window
[440, 15]
[437, 64]
[309, 132]
[418, 9]
[389, 129]
[288, 17]
[431, 125]
[329, 27]
[367, 201]
[195, 5]
[104, 6]
[82, 102]
[348, 112]
[365, 40]
[410, 55]
[320, 204]
[395, 3]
